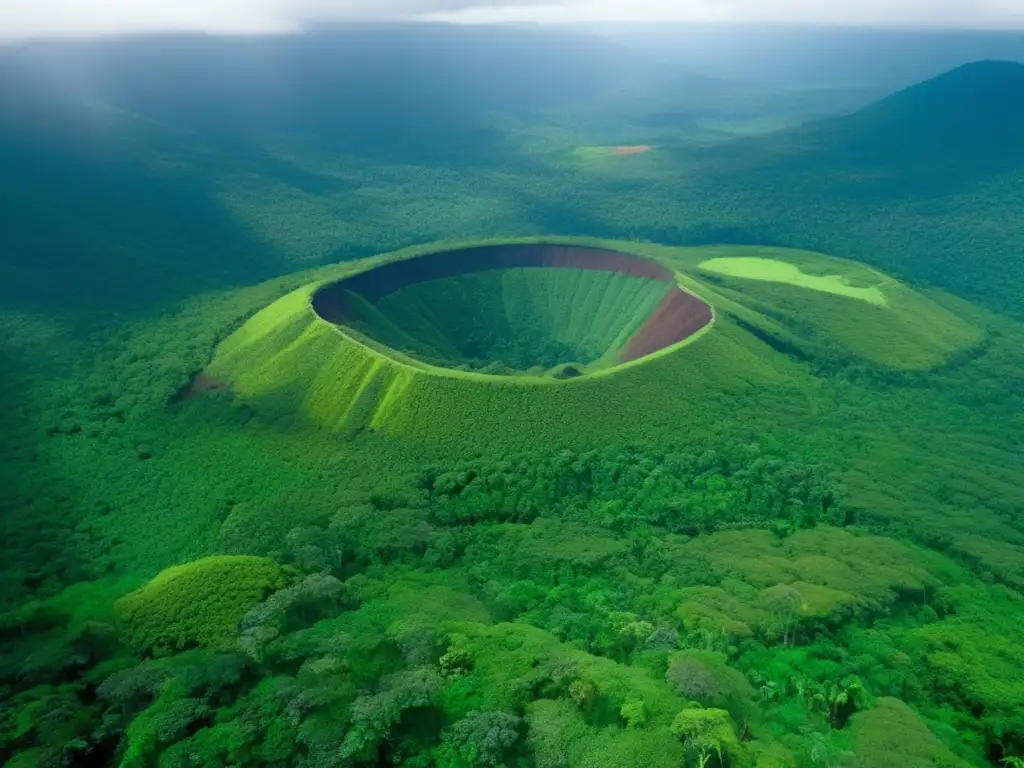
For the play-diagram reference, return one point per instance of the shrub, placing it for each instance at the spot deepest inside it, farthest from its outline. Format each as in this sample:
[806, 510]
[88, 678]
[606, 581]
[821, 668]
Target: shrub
[196, 604]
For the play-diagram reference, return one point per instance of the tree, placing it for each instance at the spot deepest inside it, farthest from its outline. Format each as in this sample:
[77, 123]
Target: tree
[300, 603]
[134, 688]
[706, 678]
[634, 712]
[373, 715]
[707, 734]
[419, 646]
[663, 638]
[694, 681]
[481, 738]
[312, 549]
[826, 752]
[254, 640]
[783, 601]
[838, 700]
[584, 693]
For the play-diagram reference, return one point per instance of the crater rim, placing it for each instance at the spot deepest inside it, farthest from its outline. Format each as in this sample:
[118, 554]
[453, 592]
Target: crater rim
[679, 318]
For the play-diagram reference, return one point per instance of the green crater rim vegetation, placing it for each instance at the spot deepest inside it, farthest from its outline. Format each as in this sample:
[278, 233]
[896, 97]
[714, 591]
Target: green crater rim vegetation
[321, 354]
[775, 271]
[535, 310]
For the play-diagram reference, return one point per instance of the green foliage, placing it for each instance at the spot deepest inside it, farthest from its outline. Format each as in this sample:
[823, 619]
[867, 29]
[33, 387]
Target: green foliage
[374, 715]
[705, 678]
[528, 318]
[972, 660]
[626, 487]
[200, 603]
[482, 738]
[707, 734]
[891, 734]
[296, 605]
[809, 512]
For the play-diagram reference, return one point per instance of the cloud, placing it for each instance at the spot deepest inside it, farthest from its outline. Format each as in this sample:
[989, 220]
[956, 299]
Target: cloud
[33, 18]
[946, 13]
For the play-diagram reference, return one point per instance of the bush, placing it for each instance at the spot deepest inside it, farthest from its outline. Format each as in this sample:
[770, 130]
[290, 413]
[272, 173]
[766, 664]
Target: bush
[196, 604]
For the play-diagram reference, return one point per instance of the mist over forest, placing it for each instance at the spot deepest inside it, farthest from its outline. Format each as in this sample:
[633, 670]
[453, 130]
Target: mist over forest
[528, 395]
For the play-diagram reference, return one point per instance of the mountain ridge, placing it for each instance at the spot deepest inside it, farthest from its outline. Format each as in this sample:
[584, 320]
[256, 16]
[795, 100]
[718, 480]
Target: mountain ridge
[973, 114]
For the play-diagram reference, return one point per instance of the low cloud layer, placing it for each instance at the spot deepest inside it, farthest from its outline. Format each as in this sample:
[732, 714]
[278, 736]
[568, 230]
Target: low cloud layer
[35, 18]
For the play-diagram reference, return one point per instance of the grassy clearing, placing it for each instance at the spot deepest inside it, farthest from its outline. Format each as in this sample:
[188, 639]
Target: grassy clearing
[829, 308]
[775, 271]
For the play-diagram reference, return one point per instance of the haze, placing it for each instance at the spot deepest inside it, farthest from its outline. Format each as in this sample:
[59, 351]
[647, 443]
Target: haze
[20, 19]
[511, 383]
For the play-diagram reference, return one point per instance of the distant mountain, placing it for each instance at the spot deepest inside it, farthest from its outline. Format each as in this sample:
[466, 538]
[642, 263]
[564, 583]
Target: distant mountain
[927, 184]
[963, 124]
[973, 115]
[803, 56]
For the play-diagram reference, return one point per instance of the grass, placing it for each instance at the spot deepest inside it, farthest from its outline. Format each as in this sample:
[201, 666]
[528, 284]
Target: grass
[775, 271]
[825, 306]
[288, 363]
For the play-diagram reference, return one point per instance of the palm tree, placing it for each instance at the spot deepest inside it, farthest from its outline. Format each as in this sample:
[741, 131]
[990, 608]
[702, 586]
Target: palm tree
[768, 692]
[800, 689]
[832, 697]
[827, 753]
[1013, 762]
[837, 697]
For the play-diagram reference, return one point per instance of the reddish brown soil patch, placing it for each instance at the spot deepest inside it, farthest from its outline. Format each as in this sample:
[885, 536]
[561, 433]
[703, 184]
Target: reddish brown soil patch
[678, 316]
[200, 384]
[637, 150]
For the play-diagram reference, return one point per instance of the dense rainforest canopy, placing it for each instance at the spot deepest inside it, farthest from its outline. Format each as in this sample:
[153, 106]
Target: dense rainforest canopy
[794, 541]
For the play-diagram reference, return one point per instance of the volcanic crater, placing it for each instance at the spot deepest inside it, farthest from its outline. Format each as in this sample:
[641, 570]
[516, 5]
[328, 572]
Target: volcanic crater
[555, 310]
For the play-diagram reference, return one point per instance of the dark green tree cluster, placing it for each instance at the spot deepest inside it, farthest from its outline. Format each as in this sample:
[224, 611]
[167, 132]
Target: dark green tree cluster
[533, 612]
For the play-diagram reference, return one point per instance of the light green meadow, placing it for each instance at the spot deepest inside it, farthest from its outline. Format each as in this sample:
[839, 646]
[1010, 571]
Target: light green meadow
[775, 271]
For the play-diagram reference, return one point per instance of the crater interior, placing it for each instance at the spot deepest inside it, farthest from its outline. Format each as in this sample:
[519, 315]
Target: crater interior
[517, 309]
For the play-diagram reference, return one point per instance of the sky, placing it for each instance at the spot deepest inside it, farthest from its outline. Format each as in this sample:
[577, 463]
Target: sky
[20, 19]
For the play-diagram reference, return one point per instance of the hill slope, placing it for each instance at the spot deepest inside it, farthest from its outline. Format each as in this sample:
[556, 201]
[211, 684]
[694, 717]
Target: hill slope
[967, 119]
[926, 184]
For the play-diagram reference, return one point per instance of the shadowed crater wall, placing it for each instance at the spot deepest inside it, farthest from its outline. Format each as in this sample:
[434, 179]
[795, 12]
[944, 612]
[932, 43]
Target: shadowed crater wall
[509, 309]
